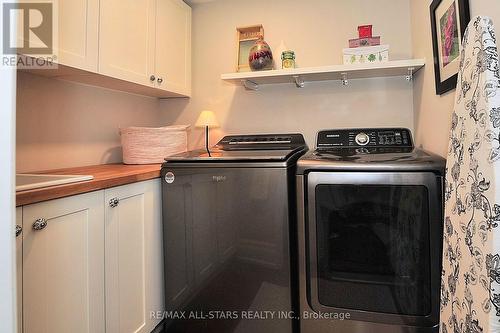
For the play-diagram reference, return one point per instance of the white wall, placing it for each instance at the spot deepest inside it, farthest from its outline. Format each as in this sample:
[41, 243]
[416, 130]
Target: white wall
[62, 124]
[7, 202]
[433, 112]
[317, 31]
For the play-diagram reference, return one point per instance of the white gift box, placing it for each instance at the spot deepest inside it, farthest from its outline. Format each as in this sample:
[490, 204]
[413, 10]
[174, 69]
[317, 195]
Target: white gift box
[365, 55]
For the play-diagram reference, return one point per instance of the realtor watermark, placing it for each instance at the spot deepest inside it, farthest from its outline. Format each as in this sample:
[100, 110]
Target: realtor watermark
[30, 34]
[307, 315]
[248, 315]
[222, 315]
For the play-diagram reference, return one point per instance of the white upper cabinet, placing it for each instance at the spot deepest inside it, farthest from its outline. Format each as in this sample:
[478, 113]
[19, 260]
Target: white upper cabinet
[63, 265]
[127, 40]
[173, 46]
[79, 33]
[147, 42]
[138, 46]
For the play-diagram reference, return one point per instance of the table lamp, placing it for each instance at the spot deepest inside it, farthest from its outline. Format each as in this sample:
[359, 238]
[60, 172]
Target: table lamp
[207, 120]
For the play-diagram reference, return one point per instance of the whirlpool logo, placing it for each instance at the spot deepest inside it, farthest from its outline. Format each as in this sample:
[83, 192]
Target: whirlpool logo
[30, 33]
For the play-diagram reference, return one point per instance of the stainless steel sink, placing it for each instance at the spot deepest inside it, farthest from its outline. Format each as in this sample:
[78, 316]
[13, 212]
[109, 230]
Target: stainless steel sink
[26, 181]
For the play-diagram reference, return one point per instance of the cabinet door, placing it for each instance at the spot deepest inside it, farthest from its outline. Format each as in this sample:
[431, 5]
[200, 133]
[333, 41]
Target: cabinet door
[63, 265]
[126, 39]
[78, 33]
[19, 269]
[134, 257]
[173, 46]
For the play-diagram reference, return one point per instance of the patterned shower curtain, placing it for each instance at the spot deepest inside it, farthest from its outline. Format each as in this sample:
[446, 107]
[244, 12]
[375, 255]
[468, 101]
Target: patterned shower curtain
[470, 286]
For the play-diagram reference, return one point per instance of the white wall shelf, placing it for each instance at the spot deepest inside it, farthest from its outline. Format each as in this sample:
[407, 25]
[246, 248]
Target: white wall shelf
[343, 73]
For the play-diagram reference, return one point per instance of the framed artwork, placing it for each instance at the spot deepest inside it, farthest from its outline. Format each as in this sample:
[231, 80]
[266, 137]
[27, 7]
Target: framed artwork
[449, 19]
[246, 37]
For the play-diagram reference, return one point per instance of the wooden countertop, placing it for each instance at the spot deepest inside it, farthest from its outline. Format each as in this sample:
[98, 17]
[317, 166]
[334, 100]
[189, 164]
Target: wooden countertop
[105, 176]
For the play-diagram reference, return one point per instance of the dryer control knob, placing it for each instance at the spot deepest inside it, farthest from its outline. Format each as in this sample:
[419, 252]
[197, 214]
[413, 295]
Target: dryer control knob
[362, 139]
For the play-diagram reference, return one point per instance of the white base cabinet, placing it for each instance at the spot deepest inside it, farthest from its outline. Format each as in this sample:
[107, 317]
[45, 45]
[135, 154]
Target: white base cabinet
[63, 265]
[134, 257]
[92, 262]
[19, 268]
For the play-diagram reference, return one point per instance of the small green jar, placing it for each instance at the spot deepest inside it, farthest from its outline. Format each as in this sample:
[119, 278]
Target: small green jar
[287, 59]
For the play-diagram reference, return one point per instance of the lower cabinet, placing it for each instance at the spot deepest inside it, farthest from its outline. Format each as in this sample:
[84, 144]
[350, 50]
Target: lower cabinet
[89, 266]
[134, 257]
[19, 268]
[63, 265]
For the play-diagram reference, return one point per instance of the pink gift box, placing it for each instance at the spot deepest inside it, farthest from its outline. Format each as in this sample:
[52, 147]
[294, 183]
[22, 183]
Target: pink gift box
[361, 42]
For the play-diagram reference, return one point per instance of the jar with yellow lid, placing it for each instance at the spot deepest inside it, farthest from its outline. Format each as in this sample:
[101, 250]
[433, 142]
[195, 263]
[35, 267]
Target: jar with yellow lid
[287, 59]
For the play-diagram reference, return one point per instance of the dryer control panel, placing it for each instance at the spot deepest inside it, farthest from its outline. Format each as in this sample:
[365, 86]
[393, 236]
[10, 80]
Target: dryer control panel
[365, 137]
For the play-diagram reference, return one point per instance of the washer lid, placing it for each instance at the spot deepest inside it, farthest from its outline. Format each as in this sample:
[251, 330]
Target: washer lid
[219, 155]
[236, 148]
[371, 159]
[261, 142]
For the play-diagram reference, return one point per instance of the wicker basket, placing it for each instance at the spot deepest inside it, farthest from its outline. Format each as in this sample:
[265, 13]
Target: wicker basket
[146, 145]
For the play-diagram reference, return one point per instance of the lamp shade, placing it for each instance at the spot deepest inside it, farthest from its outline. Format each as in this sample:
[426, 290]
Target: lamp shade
[206, 118]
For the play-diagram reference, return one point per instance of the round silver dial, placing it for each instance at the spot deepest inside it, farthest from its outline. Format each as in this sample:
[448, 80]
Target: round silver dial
[362, 139]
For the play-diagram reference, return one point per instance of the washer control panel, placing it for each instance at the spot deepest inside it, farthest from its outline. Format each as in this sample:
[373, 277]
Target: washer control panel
[261, 142]
[364, 137]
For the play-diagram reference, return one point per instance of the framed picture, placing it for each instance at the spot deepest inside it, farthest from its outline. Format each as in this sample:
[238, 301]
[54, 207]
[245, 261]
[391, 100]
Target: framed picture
[449, 19]
[246, 37]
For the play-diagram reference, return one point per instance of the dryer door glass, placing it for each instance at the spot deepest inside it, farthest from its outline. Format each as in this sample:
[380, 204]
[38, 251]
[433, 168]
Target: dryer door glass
[373, 248]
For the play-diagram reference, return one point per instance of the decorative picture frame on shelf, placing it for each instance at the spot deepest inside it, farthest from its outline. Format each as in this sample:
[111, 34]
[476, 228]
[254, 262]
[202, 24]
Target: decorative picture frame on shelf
[449, 19]
[245, 38]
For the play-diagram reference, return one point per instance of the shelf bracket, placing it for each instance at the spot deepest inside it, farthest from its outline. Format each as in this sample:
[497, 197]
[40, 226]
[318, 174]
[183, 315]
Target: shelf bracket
[345, 80]
[299, 82]
[250, 85]
[409, 77]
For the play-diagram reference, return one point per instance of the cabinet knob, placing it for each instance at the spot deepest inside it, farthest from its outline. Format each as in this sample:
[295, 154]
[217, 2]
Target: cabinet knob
[39, 224]
[114, 202]
[152, 78]
[160, 80]
[19, 230]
